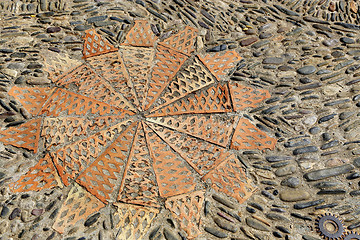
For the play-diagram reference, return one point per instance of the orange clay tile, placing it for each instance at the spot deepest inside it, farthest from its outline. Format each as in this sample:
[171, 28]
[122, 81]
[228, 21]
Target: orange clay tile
[167, 64]
[111, 67]
[75, 157]
[60, 130]
[138, 185]
[78, 205]
[41, 176]
[247, 136]
[95, 44]
[140, 35]
[66, 102]
[101, 177]
[134, 220]
[190, 79]
[25, 135]
[215, 99]
[201, 155]
[31, 98]
[91, 85]
[220, 63]
[209, 128]
[138, 62]
[183, 41]
[244, 97]
[229, 178]
[173, 174]
[186, 209]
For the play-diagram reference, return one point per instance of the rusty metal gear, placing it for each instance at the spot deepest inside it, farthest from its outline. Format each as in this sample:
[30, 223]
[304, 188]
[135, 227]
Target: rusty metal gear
[330, 227]
[352, 236]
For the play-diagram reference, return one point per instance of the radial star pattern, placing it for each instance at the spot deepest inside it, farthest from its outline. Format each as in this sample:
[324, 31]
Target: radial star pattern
[142, 126]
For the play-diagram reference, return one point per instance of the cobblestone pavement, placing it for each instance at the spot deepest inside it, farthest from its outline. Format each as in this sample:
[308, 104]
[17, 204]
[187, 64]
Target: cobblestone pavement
[179, 119]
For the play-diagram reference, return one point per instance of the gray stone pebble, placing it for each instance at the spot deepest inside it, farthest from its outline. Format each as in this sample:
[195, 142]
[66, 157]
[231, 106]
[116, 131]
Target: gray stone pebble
[4, 211]
[286, 170]
[215, 232]
[225, 225]
[308, 149]
[273, 60]
[294, 195]
[347, 40]
[306, 70]
[292, 182]
[328, 172]
[254, 223]
[308, 204]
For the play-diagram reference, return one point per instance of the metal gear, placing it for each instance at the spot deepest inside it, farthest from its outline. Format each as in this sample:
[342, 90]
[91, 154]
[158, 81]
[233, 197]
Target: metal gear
[352, 236]
[330, 227]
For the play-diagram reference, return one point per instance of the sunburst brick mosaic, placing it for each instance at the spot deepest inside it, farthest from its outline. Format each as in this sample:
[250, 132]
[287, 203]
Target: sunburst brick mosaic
[150, 125]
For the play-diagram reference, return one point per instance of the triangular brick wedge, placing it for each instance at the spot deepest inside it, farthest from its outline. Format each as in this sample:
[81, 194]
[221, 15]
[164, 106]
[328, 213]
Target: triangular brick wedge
[212, 128]
[134, 221]
[41, 176]
[220, 63]
[215, 99]
[183, 41]
[32, 98]
[229, 178]
[139, 183]
[78, 205]
[95, 44]
[138, 61]
[111, 67]
[90, 84]
[60, 130]
[189, 79]
[173, 173]
[186, 209]
[167, 64]
[103, 175]
[140, 35]
[247, 136]
[69, 103]
[201, 155]
[75, 157]
[25, 135]
[244, 97]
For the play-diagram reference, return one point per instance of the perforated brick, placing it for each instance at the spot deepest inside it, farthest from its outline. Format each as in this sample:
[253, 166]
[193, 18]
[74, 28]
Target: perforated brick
[95, 45]
[41, 176]
[25, 135]
[186, 209]
[75, 157]
[101, 177]
[210, 128]
[189, 79]
[78, 205]
[31, 98]
[215, 99]
[90, 84]
[247, 136]
[201, 155]
[229, 178]
[167, 64]
[140, 35]
[183, 41]
[64, 102]
[134, 220]
[220, 63]
[112, 68]
[139, 185]
[244, 97]
[173, 174]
